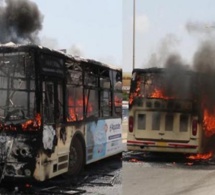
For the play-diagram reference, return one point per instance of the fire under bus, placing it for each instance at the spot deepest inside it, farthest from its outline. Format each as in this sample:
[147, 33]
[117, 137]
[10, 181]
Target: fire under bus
[57, 112]
[166, 113]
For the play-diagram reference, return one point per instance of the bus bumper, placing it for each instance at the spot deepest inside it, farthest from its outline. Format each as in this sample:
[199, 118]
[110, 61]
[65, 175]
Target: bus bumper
[150, 146]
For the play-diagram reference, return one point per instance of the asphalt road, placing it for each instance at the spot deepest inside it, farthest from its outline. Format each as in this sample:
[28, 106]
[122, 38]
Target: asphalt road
[166, 174]
[168, 178]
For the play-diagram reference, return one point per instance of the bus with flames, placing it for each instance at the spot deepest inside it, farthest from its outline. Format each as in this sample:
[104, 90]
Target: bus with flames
[57, 112]
[171, 111]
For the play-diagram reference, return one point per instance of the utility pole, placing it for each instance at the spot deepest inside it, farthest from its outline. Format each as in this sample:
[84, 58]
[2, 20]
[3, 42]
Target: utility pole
[134, 7]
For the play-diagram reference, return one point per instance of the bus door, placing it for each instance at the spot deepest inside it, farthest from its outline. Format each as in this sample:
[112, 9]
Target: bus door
[52, 111]
[52, 102]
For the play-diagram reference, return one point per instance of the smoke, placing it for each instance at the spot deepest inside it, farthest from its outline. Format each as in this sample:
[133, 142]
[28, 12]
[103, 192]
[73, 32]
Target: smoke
[204, 63]
[51, 43]
[204, 58]
[76, 50]
[176, 81]
[20, 21]
[200, 27]
[166, 47]
[180, 84]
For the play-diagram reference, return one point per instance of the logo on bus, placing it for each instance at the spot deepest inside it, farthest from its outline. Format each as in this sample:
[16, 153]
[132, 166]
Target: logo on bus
[114, 127]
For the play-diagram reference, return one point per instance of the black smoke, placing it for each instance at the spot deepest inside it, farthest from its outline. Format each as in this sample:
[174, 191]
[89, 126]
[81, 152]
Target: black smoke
[200, 27]
[204, 63]
[176, 81]
[204, 58]
[196, 80]
[20, 21]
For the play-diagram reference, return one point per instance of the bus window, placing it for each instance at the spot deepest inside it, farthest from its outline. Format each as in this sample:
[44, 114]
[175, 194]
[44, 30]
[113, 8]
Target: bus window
[105, 103]
[75, 103]
[48, 103]
[59, 109]
[91, 102]
[105, 98]
[91, 79]
[117, 93]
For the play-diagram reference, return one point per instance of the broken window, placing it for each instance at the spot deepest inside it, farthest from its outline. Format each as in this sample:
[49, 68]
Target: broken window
[17, 83]
[75, 103]
[48, 102]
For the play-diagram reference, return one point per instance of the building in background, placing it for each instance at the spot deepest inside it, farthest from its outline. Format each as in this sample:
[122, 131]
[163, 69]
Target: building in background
[126, 80]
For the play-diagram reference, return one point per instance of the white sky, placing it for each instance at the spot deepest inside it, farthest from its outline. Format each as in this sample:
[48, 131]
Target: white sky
[161, 28]
[102, 29]
[91, 27]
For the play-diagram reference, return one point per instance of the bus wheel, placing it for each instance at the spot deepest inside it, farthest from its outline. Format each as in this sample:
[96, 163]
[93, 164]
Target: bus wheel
[76, 157]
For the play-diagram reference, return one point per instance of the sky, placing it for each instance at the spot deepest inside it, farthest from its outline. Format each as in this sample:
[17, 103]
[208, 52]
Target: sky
[92, 28]
[103, 29]
[164, 27]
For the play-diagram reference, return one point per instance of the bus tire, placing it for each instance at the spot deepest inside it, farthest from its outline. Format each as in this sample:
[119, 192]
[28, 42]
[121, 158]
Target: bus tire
[76, 157]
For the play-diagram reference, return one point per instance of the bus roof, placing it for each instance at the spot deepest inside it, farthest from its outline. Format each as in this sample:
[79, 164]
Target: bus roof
[159, 70]
[10, 47]
[148, 70]
[92, 61]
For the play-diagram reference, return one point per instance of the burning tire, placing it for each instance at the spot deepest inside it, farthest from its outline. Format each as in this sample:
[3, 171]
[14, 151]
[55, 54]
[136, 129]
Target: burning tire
[76, 157]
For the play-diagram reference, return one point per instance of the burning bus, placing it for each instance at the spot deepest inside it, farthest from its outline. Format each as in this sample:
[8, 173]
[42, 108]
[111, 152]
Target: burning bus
[171, 111]
[57, 112]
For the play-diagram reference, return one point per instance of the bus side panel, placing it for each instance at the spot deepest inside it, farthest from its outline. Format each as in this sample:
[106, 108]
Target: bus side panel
[49, 166]
[104, 138]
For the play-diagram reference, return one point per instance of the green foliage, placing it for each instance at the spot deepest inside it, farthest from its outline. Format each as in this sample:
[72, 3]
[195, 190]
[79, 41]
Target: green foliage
[125, 96]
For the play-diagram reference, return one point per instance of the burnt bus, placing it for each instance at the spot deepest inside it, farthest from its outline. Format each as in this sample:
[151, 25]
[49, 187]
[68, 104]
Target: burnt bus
[57, 112]
[171, 111]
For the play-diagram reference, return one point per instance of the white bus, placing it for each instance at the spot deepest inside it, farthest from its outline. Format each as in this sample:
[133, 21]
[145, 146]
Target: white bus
[167, 113]
[57, 112]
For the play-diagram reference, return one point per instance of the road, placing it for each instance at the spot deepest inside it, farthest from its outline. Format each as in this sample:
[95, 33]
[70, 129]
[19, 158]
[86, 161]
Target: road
[166, 174]
[172, 180]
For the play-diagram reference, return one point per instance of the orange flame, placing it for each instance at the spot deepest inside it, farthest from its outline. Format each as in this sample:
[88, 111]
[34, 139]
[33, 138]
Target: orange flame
[136, 93]
[209, 123]
[158, 93]
[201, 156]
[36, 122]
[76, 109]
[133, 160]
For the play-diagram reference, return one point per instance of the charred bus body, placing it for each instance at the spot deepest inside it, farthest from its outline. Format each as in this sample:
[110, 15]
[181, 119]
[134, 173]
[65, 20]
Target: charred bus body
[170, 112]
[57, 112]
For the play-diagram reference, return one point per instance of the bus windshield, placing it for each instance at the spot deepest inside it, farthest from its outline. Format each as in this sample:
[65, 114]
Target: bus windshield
[161, 85]
[17, 85]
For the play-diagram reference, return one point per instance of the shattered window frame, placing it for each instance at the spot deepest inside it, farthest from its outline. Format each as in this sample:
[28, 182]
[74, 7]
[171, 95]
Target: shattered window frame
[74, 88]
[117, 92]
[17, 82]
[105, 93]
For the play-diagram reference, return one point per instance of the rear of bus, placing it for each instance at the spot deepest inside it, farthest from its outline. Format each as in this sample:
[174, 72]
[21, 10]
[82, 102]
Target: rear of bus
[163, 113]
